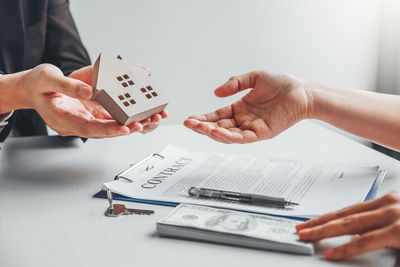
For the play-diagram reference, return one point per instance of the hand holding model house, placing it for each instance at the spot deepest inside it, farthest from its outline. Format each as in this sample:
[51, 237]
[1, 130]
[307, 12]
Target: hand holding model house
[125, 90]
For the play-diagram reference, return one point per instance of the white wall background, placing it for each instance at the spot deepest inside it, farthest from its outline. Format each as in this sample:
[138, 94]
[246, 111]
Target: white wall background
[193, 46]
[389, 49]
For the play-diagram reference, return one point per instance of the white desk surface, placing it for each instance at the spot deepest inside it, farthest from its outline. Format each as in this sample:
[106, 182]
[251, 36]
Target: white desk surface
[49, 218]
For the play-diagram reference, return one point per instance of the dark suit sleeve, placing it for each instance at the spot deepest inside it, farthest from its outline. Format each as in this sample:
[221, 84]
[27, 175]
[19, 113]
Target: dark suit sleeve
[63, 44]
[5, 131]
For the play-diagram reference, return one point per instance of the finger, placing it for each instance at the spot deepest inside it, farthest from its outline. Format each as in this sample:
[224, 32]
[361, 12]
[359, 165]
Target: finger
[226, 123]
[235, 136]
[149, 128]
[368, 242]
[145, 121]
[105, 130]
[220, 114]
[100, 114]
[84, 74]
[199, 126]
[218, 139]
[70, 87]
[135, 127]
[365, 206]
[353, 224]
[237, 84]
[204, 128]
[52, 80]
[192, 125]
[355, 237]
[164, 114]
[97, 128]
[97, 110]
[156, 118]
[197, 131]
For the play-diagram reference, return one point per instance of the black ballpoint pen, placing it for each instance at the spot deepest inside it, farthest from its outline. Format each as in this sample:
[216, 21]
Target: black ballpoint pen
[253, 199]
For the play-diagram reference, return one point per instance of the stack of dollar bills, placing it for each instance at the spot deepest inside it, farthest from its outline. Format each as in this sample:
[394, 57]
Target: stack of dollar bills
[233, 228]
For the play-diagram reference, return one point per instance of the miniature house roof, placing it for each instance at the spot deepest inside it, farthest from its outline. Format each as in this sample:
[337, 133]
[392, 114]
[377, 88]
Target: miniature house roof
[125, 90]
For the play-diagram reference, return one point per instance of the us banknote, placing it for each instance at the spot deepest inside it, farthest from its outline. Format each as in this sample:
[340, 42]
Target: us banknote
[234, 228]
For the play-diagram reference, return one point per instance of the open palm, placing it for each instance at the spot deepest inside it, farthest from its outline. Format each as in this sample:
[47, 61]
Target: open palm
[63, 113]
[63, 103]
[275, 103]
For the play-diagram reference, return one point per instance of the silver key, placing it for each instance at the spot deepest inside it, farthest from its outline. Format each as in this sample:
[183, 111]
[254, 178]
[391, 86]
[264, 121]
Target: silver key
[140, 211]
[115, 210]
[119, 209]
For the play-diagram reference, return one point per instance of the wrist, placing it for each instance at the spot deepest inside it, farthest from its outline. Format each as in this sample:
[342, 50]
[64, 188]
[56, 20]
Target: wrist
[13, 93]
[307, 93]
[316, 99]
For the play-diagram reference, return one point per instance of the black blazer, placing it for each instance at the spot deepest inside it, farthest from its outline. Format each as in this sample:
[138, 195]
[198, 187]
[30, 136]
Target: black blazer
[34, 32]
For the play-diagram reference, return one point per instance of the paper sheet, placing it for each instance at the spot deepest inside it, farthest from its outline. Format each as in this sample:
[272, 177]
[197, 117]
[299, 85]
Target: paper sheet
[317, 188]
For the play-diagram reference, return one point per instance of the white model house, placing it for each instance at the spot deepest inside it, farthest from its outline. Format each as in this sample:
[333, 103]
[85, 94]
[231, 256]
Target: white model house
[125, 90]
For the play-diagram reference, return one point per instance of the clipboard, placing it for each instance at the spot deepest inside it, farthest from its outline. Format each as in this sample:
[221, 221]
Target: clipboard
[141, 166]
[151, 160]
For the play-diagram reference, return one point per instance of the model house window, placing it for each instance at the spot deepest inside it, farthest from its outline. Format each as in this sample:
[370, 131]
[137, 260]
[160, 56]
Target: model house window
[127, 99]
[125, 80]
[148, 91]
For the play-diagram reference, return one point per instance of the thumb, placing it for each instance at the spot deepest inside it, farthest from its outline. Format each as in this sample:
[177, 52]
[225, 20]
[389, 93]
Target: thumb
[84, 74]
[73, 88]
[236, 84]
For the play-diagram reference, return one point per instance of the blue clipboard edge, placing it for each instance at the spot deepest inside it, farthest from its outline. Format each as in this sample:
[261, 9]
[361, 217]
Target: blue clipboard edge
[103, 194]
[370, 196]
[375, 186]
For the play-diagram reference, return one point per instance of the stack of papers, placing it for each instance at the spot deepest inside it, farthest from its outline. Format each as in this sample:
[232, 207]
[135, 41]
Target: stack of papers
[317, 188]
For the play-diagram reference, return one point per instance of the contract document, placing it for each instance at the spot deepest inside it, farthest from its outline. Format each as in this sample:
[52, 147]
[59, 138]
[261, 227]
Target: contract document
[317, 188]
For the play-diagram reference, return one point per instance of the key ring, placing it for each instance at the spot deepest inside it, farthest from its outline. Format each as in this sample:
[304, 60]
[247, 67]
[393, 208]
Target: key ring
[110, 199]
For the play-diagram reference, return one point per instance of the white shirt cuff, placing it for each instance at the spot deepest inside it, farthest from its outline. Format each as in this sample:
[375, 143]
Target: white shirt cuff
[4, 118]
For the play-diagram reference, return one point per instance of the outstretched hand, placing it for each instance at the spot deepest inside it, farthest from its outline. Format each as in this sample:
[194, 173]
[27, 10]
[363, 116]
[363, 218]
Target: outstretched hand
[64, 104]
[144, 126]
[375, 224]
[275, 103]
